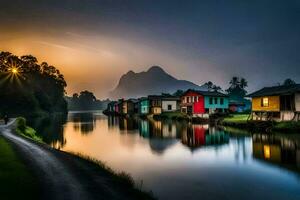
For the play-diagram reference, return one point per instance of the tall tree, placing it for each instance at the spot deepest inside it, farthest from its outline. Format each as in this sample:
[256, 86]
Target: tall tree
[289, 81]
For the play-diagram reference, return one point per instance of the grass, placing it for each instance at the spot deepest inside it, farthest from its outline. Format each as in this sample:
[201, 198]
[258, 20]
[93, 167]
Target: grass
[236, 118]
[16, 182]
[171, 115]
[121, 177]
[26, 131]
[290, 126]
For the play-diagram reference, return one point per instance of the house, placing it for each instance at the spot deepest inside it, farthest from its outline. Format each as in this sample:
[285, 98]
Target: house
[279, 103]
[129, 106]
[203, 103]
[239, 106]
[170, 103]
[111, 106]
[144, 106]
[155, 102]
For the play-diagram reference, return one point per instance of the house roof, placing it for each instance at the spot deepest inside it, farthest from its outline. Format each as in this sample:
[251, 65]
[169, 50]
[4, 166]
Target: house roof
[207, 93]
[276, 90]
[164, 97]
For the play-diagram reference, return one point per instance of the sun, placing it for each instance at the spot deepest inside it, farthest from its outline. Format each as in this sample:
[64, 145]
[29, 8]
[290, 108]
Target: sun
[14, 70]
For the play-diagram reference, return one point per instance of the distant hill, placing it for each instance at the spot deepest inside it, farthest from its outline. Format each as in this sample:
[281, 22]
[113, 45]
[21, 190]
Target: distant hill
[153, 81]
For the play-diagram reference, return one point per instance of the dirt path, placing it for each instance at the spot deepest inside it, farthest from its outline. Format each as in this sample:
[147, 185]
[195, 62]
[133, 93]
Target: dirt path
[63, 176]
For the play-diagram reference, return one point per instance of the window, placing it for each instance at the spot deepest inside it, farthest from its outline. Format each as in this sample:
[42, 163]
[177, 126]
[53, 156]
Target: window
[216, 100]
[188, 99]
[221, 101]
[210, 100]
[197, 99]
[169, 107]
[265, 102]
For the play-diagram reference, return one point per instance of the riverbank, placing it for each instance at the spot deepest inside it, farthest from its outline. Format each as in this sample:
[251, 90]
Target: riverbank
[66, 176]
[16, 180]
[241, 121]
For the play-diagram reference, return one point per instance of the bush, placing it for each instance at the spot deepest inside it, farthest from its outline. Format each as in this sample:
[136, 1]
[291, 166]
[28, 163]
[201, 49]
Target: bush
[21, 124]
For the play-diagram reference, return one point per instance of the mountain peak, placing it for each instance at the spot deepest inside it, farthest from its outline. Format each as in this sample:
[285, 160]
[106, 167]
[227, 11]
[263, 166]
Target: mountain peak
[153, 81]
[155, 69]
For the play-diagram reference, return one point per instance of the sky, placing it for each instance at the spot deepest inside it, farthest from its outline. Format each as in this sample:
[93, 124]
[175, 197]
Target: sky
[95, 42]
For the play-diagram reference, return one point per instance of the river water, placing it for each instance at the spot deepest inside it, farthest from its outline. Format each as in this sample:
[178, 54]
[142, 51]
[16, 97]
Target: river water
[179, 160]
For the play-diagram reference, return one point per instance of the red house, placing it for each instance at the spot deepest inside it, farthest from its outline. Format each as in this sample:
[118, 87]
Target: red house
[192, 103]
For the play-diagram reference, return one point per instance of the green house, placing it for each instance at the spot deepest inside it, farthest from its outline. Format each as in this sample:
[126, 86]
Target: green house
[144, 106]
[215, 102]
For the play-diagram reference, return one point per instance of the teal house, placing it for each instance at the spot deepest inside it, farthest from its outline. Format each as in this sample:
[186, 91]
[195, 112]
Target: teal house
[215, 102]
[144, 106]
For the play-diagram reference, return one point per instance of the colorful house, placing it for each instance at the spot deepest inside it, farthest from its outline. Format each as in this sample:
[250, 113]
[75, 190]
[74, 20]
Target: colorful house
[280, 103]
[170, 103]
[129, 106]
[155, 102]
[111, 106]
[144, 106]
[239, 106]
[203, 103]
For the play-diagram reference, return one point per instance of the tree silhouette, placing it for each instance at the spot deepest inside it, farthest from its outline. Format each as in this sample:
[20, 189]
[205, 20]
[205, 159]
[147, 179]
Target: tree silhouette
[27, 86]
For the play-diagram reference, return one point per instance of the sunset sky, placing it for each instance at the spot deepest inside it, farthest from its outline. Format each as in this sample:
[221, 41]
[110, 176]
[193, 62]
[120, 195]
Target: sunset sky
[94, 42]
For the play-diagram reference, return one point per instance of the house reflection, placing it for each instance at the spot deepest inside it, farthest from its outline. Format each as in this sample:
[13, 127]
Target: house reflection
[197, 135]
[278, 150]
[128, 124]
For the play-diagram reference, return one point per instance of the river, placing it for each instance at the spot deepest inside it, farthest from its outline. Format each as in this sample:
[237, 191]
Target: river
[179, 160]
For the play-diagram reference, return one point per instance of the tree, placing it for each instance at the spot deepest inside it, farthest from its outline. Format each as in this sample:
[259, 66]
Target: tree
[288, 82]
[212, 87]
[237, 88]
[178, 93]
[25, 88]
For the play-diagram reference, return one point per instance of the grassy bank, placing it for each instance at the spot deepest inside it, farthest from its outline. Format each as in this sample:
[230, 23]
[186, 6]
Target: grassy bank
[120, 179]
[240, 121]
[26, 131]
[171, 115]
[16, 181]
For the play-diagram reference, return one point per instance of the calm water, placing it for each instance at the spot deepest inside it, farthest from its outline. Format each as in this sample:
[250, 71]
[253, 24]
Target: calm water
[181, 160]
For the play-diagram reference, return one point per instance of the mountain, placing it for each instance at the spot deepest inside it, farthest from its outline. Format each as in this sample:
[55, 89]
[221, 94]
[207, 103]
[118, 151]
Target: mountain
[153, 81]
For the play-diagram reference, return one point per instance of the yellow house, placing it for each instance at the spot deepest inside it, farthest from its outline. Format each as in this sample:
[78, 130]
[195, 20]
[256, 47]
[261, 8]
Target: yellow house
[280, 103]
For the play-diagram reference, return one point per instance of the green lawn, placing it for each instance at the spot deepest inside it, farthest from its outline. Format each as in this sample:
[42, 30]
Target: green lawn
[16, 182]
[236, 118]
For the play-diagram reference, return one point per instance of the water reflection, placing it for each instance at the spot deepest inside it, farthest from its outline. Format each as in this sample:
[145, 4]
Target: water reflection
[279, 150]
[83, 122]
[50, 129]
[198, 160]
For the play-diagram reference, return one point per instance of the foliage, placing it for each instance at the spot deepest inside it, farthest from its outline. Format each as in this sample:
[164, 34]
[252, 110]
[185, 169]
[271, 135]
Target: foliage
[290, 126]
[288, 82]
[237, 118]
[27, 86]
[86, 100]
[178, 93]
[237, 88]
[17, 182]
[212, 87]
[23, 129]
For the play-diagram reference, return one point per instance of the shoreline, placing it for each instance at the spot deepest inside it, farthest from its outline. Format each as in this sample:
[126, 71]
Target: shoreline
[95, 179]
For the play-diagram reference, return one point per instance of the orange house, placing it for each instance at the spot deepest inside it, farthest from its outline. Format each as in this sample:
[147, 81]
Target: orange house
[280, 103]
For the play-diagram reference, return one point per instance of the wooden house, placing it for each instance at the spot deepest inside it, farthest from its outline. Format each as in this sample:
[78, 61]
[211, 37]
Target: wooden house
[202, 103]
[280, 103]
[129, 106]
[155, 102]
[111, 106]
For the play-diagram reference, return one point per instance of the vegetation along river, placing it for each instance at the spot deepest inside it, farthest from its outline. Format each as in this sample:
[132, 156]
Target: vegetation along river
[179, 160]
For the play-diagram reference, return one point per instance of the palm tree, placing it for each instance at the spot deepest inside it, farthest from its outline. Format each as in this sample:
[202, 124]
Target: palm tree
[289, 81]
[234, 82]
[243, 83]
